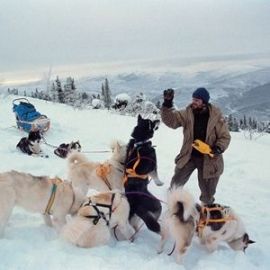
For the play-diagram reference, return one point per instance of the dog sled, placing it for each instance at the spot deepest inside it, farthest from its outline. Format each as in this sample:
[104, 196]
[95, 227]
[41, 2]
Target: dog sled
[28, 118]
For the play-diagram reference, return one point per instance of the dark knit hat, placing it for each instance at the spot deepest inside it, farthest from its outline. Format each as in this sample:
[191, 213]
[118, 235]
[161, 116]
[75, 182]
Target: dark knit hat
[201, 93]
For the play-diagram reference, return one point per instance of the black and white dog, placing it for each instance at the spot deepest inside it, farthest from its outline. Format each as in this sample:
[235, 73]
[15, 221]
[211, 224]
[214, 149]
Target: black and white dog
[31, 145]
[65, 148]
[140, 164]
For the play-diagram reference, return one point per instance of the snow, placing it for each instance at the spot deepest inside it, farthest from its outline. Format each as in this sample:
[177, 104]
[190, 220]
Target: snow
[29, 244]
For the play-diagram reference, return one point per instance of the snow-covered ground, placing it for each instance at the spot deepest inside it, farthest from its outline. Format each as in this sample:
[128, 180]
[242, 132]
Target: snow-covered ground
[29, 244]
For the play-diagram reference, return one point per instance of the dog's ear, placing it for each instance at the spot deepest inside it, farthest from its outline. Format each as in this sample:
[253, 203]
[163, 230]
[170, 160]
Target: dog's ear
[115, 146]
[247, 240]
[139, 118]
[156, 124]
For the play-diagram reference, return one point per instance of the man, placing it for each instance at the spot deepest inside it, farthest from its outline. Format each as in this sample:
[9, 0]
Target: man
[204, 121]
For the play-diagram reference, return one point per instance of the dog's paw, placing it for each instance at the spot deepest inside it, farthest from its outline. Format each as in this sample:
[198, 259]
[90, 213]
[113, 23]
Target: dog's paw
[132, 238]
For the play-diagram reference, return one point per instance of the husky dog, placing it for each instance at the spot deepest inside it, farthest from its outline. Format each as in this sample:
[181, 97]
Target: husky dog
[140, 163]
[85, 174]
[219, 223]
[31, 145]
[97, 215]
[179, 222]
[33, 193]
[211, 223]
[65, 148]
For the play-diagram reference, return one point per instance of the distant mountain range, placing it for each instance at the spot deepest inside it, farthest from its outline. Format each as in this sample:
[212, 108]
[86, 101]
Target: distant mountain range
[235, 92]
[239, 85]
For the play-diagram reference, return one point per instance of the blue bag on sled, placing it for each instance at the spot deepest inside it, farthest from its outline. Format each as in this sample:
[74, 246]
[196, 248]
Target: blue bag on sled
[28, 118]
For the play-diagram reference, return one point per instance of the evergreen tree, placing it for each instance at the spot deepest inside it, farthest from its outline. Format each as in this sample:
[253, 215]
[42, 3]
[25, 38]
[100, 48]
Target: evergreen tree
[230, 122]
[244, 125]
[106, 94]
[235, 126]
[69, 91]
[54, 94]
[59, 91]
[102, 90]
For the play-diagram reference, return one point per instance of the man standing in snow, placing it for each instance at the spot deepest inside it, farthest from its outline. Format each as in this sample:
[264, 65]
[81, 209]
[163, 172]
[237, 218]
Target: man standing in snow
[200, 121]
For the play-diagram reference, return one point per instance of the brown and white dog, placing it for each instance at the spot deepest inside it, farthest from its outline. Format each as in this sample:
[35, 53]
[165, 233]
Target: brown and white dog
[85, 174]
[50, 197]
[96, 217]
[211, 223]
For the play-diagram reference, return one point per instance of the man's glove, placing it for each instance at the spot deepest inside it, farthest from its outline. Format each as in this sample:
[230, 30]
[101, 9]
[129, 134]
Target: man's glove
[216, 150]
[168, 96]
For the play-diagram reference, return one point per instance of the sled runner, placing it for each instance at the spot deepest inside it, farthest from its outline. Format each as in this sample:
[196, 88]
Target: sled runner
[28, 118]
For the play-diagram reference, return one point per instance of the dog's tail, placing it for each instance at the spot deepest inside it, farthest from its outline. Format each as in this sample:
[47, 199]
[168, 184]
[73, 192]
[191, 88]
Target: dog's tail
[76, 158]
[181, 203]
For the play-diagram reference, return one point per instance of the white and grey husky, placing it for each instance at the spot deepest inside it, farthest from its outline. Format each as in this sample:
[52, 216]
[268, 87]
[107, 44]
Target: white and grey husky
[211, 223]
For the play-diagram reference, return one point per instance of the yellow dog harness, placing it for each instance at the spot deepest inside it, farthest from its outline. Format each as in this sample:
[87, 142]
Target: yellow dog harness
[102, 171]
[131, 172]
[205, 217]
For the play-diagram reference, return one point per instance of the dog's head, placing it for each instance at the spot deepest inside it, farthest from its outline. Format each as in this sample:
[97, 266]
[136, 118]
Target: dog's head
[241, 243]
[119, 150]
[76, 146]
[145, 129]
[34, 136]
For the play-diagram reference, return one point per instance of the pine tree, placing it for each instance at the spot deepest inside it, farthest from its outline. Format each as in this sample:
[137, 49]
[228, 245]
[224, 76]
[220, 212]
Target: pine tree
[230, 122]
[59, 90]
[235, 125]
[69, 91]
[107, 94]
[102, 90]
[53, 93]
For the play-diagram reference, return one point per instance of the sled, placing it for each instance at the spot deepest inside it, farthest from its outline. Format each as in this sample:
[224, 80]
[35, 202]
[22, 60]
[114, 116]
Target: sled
[28, 118]
[202, 147]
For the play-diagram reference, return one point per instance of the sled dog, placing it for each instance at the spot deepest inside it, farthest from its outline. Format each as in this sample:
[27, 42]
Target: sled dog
[31, 145]
[85, 174]
[211, 223]
[179, 222]
[97, 215]
[140, 163]
[33, 193]
[66, 148]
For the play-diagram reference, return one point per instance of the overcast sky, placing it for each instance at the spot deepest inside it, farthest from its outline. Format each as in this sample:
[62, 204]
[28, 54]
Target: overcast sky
[38, 33]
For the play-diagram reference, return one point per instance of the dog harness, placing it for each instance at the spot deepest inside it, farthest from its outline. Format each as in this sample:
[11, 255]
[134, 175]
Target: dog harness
[100, 214]
[102, 171]
[131, 172]
[55, 182]
[207, 219]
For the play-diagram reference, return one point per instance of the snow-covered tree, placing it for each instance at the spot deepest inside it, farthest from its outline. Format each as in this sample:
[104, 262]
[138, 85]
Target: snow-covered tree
[121, 101]
[59, 90]
[69, 91]
[106, 94]
[97, 103]
[232, 123]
